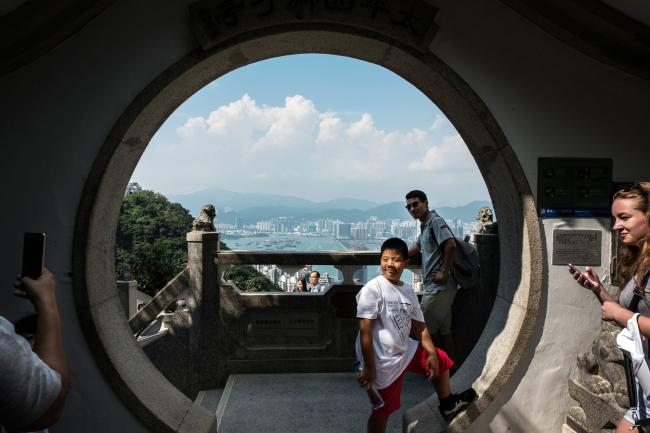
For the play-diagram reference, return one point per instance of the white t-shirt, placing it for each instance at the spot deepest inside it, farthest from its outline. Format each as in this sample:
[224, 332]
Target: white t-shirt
[393, 307]
[28, 387]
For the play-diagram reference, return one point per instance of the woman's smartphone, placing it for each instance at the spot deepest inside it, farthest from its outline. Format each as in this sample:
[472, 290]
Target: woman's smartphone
[33, 255]
[573, 271]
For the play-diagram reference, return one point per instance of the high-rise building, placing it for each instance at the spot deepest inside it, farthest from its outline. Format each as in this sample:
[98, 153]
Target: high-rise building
[358, 233]
[416, 282]
[343, 230]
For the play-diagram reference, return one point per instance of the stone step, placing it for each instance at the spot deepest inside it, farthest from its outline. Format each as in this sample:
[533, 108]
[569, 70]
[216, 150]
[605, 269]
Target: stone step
[209, 398]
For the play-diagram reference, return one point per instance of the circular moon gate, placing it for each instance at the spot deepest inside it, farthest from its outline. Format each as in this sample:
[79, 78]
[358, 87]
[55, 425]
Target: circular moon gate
[134, 378]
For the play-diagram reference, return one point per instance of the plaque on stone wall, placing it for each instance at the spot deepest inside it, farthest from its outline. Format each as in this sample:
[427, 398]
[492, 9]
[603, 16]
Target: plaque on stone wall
[579, 247]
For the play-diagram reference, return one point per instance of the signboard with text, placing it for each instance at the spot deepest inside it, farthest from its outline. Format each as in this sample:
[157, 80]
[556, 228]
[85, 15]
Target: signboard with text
[579, 247]
[574, 187]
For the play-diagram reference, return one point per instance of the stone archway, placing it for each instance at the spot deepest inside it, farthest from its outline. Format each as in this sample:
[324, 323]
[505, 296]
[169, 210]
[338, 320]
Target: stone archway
[506, 337]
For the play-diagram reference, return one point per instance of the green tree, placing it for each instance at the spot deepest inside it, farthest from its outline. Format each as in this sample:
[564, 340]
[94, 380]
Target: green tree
[150, 241]
[249, 279]
[151, 247]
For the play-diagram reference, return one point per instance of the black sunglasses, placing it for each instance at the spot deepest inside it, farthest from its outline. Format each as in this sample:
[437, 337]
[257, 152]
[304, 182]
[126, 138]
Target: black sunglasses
[413, 205]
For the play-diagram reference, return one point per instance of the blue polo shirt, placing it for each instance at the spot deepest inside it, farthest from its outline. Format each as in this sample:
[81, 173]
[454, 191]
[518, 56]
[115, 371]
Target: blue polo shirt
[434, 228]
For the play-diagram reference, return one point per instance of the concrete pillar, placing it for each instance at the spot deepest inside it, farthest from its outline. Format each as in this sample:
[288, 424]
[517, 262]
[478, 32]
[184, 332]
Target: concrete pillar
[124, 289]
[204, 364]
[472, 307]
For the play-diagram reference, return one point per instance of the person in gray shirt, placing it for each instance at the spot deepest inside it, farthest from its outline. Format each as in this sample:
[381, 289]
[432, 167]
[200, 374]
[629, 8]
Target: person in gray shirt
[34, 383]
[437, 245]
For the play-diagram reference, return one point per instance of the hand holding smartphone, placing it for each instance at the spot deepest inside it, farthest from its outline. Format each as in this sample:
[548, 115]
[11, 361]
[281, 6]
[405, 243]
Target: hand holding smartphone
[33, 255]
[581, 277]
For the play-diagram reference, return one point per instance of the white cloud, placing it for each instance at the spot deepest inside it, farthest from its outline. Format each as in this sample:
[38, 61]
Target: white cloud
[439, 121]
[296, 149]
[451, 154]
[330, 127]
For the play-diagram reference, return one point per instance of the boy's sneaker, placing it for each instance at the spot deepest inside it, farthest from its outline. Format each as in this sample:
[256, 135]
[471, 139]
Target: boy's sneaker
[456, 403]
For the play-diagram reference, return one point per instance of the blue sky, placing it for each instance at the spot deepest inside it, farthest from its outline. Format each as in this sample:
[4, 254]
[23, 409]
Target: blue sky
[313, 126]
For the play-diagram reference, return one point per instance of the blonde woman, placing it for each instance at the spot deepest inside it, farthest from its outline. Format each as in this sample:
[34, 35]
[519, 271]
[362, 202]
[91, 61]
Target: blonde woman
[631, 213]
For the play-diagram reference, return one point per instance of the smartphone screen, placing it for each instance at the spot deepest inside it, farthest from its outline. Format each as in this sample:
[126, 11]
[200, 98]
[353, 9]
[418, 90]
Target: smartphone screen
[33, 255]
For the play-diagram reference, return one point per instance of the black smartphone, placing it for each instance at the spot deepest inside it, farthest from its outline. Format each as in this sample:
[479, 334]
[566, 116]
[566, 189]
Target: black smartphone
[33, 255]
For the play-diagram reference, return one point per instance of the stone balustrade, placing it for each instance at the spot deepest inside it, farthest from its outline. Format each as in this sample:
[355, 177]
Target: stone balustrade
[235, 332]
[346, 262]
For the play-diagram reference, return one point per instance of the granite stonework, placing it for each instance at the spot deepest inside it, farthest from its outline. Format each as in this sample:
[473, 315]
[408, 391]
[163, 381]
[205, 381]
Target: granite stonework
[522, 268]
[472, 307]
[165, 296]
[205, 365]
[205, 221]
[253, 333]
[600, 388]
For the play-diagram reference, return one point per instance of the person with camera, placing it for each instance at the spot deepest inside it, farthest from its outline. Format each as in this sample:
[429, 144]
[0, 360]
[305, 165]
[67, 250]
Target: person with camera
[631, 213]
[34, 383]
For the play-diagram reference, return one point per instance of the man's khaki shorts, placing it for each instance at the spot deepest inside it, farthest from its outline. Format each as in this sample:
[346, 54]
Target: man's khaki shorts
[436, 308]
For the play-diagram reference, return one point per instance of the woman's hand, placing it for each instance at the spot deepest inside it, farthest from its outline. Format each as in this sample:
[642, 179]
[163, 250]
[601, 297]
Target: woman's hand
[613, 311]
[587, 279]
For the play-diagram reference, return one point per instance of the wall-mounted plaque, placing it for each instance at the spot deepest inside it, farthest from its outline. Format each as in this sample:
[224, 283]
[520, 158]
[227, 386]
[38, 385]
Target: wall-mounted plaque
[579, 247]
[574, 187]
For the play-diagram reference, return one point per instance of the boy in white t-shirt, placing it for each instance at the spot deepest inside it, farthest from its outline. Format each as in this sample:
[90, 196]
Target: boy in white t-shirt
[389, 312]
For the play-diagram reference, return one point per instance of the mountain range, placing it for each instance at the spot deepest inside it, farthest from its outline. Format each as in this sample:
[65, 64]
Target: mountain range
[253, 207]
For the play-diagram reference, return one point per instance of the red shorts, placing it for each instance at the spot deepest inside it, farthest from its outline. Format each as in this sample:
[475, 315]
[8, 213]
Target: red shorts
[392, 393]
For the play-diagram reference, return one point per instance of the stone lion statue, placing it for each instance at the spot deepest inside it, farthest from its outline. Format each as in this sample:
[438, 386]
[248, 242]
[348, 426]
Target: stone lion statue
[205, 221]
[485, 219]
[599, 388]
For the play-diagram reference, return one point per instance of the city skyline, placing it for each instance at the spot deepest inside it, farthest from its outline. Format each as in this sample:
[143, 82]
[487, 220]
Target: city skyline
[316, 127]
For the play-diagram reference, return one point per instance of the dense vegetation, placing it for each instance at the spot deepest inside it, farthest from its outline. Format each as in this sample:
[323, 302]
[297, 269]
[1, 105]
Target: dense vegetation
[151, 247]
[150, 242]
[248, 279]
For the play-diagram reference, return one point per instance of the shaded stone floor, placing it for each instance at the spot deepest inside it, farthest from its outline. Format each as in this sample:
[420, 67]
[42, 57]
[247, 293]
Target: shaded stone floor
[302, 403]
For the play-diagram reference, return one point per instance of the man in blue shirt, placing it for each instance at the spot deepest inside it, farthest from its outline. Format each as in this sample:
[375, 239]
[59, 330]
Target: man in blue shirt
[437, 245]
[314, 283]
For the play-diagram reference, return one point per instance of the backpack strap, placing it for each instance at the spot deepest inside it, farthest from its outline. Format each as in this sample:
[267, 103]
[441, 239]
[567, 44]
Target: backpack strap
[636, 298]
[627, 360]
[433, 234]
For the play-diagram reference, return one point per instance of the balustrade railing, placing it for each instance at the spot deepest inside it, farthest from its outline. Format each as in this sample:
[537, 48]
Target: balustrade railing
[291, 262]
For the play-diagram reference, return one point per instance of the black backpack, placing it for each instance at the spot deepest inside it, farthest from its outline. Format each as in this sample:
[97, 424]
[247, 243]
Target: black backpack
[466, 268]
